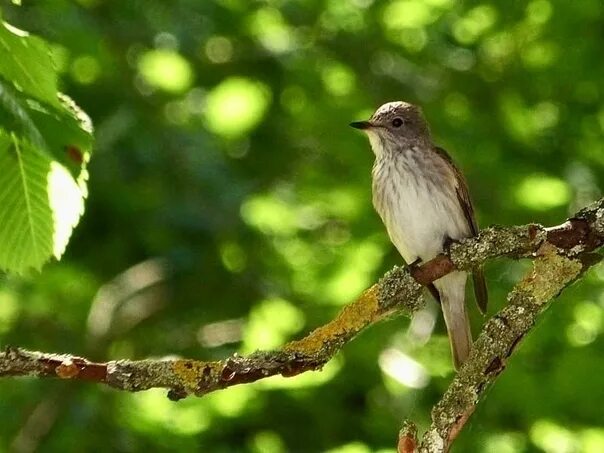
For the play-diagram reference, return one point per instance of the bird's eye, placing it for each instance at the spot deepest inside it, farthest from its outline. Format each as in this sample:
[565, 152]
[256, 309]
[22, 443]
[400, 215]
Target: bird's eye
[397, 122]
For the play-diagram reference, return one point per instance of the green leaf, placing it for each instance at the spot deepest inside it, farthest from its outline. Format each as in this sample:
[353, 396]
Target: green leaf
[40, 204]
[64, 133]
[45, 145]
[27, 64]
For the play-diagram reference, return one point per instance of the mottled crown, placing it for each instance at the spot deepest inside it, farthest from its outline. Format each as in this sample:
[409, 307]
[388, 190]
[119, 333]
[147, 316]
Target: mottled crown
[404, 110]
[411, 115]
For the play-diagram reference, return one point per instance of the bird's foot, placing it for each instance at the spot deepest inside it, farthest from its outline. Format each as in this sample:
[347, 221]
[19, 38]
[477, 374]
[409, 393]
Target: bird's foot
[447, 243]
[415, 264]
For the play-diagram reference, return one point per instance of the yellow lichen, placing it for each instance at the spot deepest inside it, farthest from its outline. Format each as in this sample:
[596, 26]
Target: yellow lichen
[351, 320]
[551, 272]
[190, 372]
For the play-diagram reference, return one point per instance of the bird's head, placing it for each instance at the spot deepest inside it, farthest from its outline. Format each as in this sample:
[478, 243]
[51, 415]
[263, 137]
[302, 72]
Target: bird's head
[394, 124]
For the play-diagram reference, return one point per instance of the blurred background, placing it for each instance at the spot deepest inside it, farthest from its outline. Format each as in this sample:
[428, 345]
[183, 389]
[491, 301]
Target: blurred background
[230, 210]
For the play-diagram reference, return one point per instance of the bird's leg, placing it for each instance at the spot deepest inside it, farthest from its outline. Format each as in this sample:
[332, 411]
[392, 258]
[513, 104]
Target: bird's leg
[448, 241]
[414, 264]
[412, 267]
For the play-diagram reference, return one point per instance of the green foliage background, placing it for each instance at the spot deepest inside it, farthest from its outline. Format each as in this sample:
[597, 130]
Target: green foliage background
[229, 209]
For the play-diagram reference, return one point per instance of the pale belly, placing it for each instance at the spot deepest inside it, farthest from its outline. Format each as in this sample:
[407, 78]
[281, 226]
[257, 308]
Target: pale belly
[419, 215]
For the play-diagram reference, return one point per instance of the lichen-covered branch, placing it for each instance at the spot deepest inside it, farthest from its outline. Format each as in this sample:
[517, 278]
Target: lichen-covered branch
[563, 255]
[551, 273]
[185, 377]
[560, 255]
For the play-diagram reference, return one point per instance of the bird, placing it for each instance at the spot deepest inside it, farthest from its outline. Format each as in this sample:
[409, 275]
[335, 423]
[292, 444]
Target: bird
[423, 200]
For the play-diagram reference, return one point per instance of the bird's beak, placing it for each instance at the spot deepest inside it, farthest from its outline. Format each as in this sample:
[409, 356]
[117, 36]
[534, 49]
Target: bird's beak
[361, 124]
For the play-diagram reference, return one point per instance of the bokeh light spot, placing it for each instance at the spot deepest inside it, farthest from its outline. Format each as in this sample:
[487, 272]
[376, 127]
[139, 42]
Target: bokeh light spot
[498, 49]
[353, 447]
[219, 49]
[407, 14]
[166, 70]
[85, 69]
[539, 11]
[270, 215]
[267, 442]
[539, 55]
[505, 443]
[233, 257]
[339, 80]
[270, 323]
[413, 39]
[344, 15]
[269, 27]
[553, 438]
[231, 404]
[9, 309]
[150, 410]
[236, 106]
[592, 440]
[474, 24]
[587, 324]
[403, 369]
[358, 263]
[542, 192]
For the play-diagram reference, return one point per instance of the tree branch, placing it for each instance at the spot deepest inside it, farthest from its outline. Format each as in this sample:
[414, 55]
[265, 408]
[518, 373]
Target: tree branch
[560, 253]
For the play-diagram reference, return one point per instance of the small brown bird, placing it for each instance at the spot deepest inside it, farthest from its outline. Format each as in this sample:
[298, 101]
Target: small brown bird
[423, 200]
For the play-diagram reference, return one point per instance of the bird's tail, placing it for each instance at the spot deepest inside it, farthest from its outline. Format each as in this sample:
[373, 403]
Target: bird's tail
[452, 296]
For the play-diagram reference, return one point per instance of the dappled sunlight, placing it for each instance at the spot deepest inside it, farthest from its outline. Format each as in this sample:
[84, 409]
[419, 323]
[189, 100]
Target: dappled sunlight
[166, 70]
[354, 272]
[353, 447]
[85, 69]
[270, 215]
[526, 123]
[270, 323]
[403, 369]
[401, 14]
[150, 410]
[267, 442]
[505, 443]
[268, 26]
[345, 15]
[230, 404]
[9, 310]
[233, 256]
[476, 22]
[587, 324]
[66, 201]
[338, 79]
[358, 447]
[219, 49]
[435, 356]
[127, 299]
[553, 438]
[220, 333]
[236, 106]
[542, 192]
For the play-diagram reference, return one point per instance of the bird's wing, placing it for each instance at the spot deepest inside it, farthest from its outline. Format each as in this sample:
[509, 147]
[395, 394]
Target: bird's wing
[463, 196]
